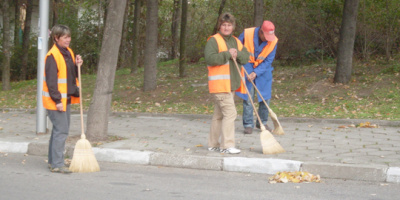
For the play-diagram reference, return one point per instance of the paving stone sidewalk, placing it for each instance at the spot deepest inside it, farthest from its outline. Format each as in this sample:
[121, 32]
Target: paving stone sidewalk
[331, 148]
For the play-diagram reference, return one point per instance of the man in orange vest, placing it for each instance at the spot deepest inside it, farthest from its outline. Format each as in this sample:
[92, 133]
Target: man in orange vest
[261, 42]
[223, 79]
[60, 90]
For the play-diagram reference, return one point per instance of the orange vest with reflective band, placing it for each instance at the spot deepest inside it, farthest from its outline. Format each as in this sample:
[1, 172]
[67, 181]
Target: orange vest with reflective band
[219, 77]
[249, 44]
[48, 103]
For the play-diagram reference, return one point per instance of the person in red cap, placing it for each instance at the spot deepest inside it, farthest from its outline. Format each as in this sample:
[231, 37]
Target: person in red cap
[261, 42]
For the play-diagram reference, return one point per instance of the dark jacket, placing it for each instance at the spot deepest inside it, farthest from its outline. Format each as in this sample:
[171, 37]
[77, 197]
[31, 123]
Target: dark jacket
[51, 71]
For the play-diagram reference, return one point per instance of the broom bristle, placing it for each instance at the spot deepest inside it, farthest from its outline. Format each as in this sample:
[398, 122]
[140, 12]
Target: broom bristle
[278, 130]
[83, 159]
[269, 143]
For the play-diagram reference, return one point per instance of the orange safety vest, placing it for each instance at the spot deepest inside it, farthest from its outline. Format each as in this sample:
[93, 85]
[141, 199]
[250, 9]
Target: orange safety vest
[249, 44]
[219, 76]
[48, 103]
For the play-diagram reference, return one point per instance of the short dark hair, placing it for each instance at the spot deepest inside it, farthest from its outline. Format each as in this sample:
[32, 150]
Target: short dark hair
[59, 30]
[226, 17]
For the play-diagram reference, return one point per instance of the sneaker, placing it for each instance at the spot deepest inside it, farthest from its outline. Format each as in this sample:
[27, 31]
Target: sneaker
[231, 150]
[213, 149]
[266, 127]
[63, 170]
[248, 130]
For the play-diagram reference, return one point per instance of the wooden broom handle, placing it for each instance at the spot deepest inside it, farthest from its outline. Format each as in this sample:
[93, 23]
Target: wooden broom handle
[255, 87]
[248, 93]
[80, 100]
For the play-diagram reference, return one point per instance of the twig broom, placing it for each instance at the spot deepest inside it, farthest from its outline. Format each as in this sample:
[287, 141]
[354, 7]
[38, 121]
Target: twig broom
[268, 142]
[278, 130]
[83, 159]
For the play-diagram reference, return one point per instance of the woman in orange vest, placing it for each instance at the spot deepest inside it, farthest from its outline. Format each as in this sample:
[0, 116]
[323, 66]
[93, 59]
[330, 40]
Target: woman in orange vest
[223, 80]
[60, 90]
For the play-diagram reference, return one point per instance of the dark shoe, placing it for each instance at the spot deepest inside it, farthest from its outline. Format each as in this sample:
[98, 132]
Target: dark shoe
[63, 170]
[266, 127]
[248, 130]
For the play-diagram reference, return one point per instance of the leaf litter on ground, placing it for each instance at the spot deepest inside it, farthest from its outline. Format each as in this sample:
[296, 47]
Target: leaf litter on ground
[295, 177]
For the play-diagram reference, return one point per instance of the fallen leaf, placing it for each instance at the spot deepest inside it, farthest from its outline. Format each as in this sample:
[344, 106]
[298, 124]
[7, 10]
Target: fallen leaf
[199, 145]
[295, 177]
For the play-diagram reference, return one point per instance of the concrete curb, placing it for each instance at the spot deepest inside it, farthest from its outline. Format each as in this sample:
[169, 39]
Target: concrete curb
[14, 147]
[260, 165]
[375, 173]
[393, 175]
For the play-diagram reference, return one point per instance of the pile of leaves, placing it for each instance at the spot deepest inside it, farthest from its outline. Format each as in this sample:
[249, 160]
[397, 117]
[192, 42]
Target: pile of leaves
[295, 177]
[367, 125]
[360, 125]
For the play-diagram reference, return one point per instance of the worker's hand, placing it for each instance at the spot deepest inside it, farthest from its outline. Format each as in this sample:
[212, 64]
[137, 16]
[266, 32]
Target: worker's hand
[59, 107]
[252, 76]
[233, 53]
[78, 60]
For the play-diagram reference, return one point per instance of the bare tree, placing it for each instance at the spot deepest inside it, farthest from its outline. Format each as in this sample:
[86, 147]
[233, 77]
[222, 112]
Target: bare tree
[182, 56]
[97, 121]
[221, 8]
[150, 51]
[346, 42]
[26, 40]
[6, 47]
[258, 12]
[175, 27]
[136, 32]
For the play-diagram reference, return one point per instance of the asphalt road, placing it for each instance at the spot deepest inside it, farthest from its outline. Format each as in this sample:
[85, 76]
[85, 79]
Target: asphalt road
[27, 177]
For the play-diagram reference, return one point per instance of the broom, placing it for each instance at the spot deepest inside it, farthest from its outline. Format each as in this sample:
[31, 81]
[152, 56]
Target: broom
[268, 142]
[83, 159]
[278, 130]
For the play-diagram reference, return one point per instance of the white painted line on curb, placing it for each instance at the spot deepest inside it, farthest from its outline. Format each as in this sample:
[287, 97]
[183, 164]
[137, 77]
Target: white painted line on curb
[14, 147]
[124, 156]
[260, 165]
[393, 175]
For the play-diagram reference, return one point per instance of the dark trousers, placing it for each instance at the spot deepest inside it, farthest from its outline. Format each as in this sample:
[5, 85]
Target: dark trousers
[59, 134]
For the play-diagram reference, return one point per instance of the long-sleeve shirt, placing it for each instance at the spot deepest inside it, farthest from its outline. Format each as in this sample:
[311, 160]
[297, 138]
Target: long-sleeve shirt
[51, 71]
[214, 58]
[263, 71]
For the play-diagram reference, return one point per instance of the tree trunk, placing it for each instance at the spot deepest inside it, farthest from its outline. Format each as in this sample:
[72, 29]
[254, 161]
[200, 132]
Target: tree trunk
[346, 42]
[136, 32]
[258, 12]
[182, 56]
[97, 121]
[150, 51]
[6, 47]
[16, 23]
[26, 41]
[122, 61]
[221, 8]
[175, 27]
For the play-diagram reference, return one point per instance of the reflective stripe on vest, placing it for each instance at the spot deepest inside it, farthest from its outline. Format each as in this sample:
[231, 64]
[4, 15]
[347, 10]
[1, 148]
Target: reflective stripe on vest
[219, 77]
[249, 44]
[48, 103]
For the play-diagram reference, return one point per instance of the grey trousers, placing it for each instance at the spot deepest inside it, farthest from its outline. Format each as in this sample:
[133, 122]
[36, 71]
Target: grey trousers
[59, 134]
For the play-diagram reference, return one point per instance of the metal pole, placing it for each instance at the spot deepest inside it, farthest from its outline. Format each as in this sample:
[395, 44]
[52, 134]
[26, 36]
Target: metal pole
[41, 124]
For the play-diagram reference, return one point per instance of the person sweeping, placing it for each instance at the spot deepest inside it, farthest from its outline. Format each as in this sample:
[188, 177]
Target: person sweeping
[60, 90]
[261, 42]
[223, 79]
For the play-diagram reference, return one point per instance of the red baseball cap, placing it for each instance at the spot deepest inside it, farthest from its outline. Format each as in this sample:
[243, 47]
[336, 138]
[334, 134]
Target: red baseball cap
[268, 29]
